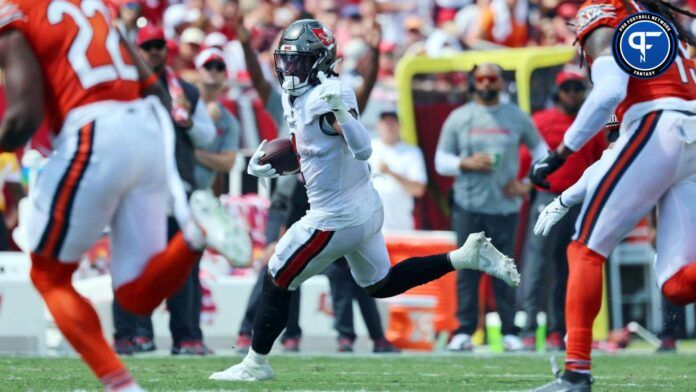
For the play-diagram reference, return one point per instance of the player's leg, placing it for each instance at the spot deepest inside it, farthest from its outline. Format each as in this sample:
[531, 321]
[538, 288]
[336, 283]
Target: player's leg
[72, 203]
[145, 270]
[627, 182]
[148, 272]
[293, 332]
[300, 254]
[560, 239]
[675, 265]
[371, 267]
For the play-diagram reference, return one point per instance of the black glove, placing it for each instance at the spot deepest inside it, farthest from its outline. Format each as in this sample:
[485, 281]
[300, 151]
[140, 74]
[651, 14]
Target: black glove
[543, 168]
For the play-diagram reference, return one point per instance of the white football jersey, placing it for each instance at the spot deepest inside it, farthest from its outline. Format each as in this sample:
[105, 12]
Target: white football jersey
[338, 186]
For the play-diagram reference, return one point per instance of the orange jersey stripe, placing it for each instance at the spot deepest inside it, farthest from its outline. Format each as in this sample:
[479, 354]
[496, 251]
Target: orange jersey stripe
[625, 158]
[60, 211]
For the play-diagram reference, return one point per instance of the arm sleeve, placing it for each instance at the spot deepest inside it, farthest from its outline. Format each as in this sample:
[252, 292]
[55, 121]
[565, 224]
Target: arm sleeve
[575, 194]
[610, 84]
[358, 138]
[203, 131]
[447, 159]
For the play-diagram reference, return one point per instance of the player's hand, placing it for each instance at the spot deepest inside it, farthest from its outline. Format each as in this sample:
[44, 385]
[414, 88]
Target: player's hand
[331, 93]
[256, 169]
[480, 162]
[551, 214]
[543, 168]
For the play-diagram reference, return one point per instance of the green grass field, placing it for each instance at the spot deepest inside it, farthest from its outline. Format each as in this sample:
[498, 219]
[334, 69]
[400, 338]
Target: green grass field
[468, 372]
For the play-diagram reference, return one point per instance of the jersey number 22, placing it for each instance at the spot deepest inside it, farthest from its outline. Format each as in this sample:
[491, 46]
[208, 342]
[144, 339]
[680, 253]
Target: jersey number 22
[89, 75]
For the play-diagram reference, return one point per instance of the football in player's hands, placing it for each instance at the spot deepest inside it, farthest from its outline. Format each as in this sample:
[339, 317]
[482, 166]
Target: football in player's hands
[280, 154]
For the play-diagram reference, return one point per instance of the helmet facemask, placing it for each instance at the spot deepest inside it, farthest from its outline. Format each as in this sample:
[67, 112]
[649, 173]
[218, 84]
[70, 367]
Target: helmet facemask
[297, 70]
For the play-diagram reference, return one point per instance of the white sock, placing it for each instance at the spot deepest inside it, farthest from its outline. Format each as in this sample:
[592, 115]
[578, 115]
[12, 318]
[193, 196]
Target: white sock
[193, 235]
[256, 358]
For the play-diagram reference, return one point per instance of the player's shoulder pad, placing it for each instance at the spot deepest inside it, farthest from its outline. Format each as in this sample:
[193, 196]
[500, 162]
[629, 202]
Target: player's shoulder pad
[596, 13]
[315, 106]
[10, 14]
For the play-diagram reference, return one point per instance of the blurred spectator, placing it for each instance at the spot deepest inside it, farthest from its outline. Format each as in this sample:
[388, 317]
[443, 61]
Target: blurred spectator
[414, 40]
[128, 13]
[230, 17]
[11, 185]
[215, 40]
[219, 157]
[343, 291]
[194, 129]
[493, 22]
[153, 10]
[328, 12]
[398, 173]
[392, 15]
[189, 46]
[443, 40]
[545, 266]
[176, 19]
[479, 146]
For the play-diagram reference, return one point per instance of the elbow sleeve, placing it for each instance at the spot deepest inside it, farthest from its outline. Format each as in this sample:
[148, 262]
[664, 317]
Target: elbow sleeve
[357, 138]
[363, 155]
[610, 85]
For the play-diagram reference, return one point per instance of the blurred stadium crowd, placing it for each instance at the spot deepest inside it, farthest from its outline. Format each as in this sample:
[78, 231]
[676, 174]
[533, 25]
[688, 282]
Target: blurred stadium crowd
[372, 36]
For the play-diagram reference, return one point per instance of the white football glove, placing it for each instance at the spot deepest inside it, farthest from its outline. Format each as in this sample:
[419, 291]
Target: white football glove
[256, 169]
[551, 214]
[331, 93]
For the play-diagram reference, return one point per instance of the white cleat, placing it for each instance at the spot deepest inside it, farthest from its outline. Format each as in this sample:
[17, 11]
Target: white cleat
[222, 233]
[479, 253]
[245, 371]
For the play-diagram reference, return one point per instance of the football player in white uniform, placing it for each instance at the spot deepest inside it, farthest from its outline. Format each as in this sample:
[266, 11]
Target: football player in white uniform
[345, 216]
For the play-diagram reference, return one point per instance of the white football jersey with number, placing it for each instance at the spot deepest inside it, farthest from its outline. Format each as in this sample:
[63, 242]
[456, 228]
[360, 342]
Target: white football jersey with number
[338, 186]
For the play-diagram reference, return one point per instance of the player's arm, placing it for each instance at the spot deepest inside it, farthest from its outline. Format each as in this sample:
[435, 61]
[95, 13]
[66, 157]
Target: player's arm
[354, 133]
[609, 89]
[23, 89]
[346, 124]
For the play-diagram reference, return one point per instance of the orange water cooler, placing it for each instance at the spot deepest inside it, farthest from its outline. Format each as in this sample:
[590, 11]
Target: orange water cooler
[418, 315]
